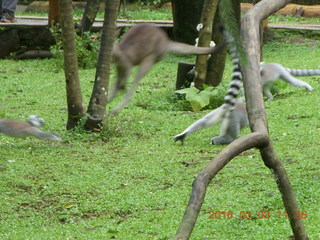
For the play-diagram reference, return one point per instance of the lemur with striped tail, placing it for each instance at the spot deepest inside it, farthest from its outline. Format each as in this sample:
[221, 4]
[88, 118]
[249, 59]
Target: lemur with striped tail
[232, 114]
[270, 72]
[238, 118]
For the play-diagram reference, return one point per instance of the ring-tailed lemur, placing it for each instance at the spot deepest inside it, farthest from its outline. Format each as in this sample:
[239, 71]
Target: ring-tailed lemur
[232, 114]
[238, 119]
[22, 129]
[270, 72]
[145, 45]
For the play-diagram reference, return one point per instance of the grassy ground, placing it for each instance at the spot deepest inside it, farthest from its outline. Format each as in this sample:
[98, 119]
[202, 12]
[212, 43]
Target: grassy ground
[131, 181]
[130, 12]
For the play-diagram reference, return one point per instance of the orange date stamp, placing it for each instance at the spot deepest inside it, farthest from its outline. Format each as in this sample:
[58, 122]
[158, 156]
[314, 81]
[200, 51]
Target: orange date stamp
[255, 215]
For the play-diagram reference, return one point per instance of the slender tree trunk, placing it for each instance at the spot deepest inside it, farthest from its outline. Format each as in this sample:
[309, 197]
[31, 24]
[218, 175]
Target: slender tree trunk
[74, 95]
[98, 101]
[53, 14]
[89, 15]
[205, 35]
[217, 61]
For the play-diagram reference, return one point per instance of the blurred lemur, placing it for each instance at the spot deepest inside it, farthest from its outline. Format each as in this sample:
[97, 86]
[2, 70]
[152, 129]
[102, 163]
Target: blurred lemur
[22, 129]
[270, 72]
[145, 45]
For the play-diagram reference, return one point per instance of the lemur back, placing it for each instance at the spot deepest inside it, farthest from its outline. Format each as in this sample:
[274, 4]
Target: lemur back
[232, 114]
[270, 72]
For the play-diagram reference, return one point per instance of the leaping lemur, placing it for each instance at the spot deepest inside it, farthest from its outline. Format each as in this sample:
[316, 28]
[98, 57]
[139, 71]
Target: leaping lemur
[145, 45]
[22, 129]
[232, 114]
[270, 72]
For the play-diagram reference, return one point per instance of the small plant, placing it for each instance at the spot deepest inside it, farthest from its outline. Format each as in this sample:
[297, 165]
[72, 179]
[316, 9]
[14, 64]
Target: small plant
[87, 47]
[199, 98]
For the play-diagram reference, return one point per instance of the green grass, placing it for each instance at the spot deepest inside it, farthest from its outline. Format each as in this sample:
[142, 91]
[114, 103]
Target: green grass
[131, 12]
[131, 181]
[287, 19]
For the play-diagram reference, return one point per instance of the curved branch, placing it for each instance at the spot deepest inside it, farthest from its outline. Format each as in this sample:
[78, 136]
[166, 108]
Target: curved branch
[199, 187]
[255, 106]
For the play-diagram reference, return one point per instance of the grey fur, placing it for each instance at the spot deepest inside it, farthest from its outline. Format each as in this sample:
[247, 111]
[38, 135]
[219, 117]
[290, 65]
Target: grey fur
[232, 114]
[22, 129]
[144, 45]
[270, 72]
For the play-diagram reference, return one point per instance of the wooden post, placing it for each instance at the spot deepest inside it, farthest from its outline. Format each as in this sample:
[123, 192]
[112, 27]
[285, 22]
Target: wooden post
[53, 17]
[183, 80]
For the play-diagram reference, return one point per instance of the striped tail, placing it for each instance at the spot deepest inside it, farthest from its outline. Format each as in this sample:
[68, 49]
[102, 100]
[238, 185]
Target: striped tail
[236, 82]
[303, 72]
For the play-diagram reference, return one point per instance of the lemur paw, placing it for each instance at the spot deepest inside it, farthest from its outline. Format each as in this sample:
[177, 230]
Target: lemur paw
[180, 137]
[113, 113]
[309, 88]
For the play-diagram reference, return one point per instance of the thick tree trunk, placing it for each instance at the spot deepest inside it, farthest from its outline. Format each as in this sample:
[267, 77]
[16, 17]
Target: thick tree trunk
[205, 34]
[98, 101]
[186, 16]
[89, 16]
[74, 96]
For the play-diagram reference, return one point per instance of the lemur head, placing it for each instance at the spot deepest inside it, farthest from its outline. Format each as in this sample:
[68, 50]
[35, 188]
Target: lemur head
[35, 121]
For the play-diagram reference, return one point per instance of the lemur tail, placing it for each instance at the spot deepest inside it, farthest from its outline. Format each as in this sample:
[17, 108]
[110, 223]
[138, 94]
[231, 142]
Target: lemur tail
[217, 115]
[303, 72]
[236, 82]
[44, 135]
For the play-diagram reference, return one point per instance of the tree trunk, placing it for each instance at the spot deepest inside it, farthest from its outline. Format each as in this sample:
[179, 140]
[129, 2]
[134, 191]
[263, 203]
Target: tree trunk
[217, 61]
[89, 15]
[255, 105]
[186, 16]
[205, 35]
[98, 101]
[258, 123]
[53, 13]
[74, 95]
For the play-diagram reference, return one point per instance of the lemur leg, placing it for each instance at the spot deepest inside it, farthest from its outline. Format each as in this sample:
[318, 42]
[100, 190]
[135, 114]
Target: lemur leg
[268, 94]
[294, 81]
[143, 69]
[230, 133]
[299, 83]
[208, 120]
[123, 72]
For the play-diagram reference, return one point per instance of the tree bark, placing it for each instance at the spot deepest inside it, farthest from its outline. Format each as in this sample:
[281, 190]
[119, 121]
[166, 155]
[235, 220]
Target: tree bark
[258, 124]
[98, 101]
[202, 181]
[217, 61]
[205, 34]
[74, 95]
[186, 16]
[89, 15]
[53, 14]
[255, 105]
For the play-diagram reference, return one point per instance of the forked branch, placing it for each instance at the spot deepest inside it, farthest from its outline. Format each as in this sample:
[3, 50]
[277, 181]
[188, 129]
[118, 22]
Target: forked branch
[200, 184]
[258, 123]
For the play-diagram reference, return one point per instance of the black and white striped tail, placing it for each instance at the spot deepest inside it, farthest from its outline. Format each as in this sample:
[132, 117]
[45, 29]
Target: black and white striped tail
[303, 72]
[236, 82]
